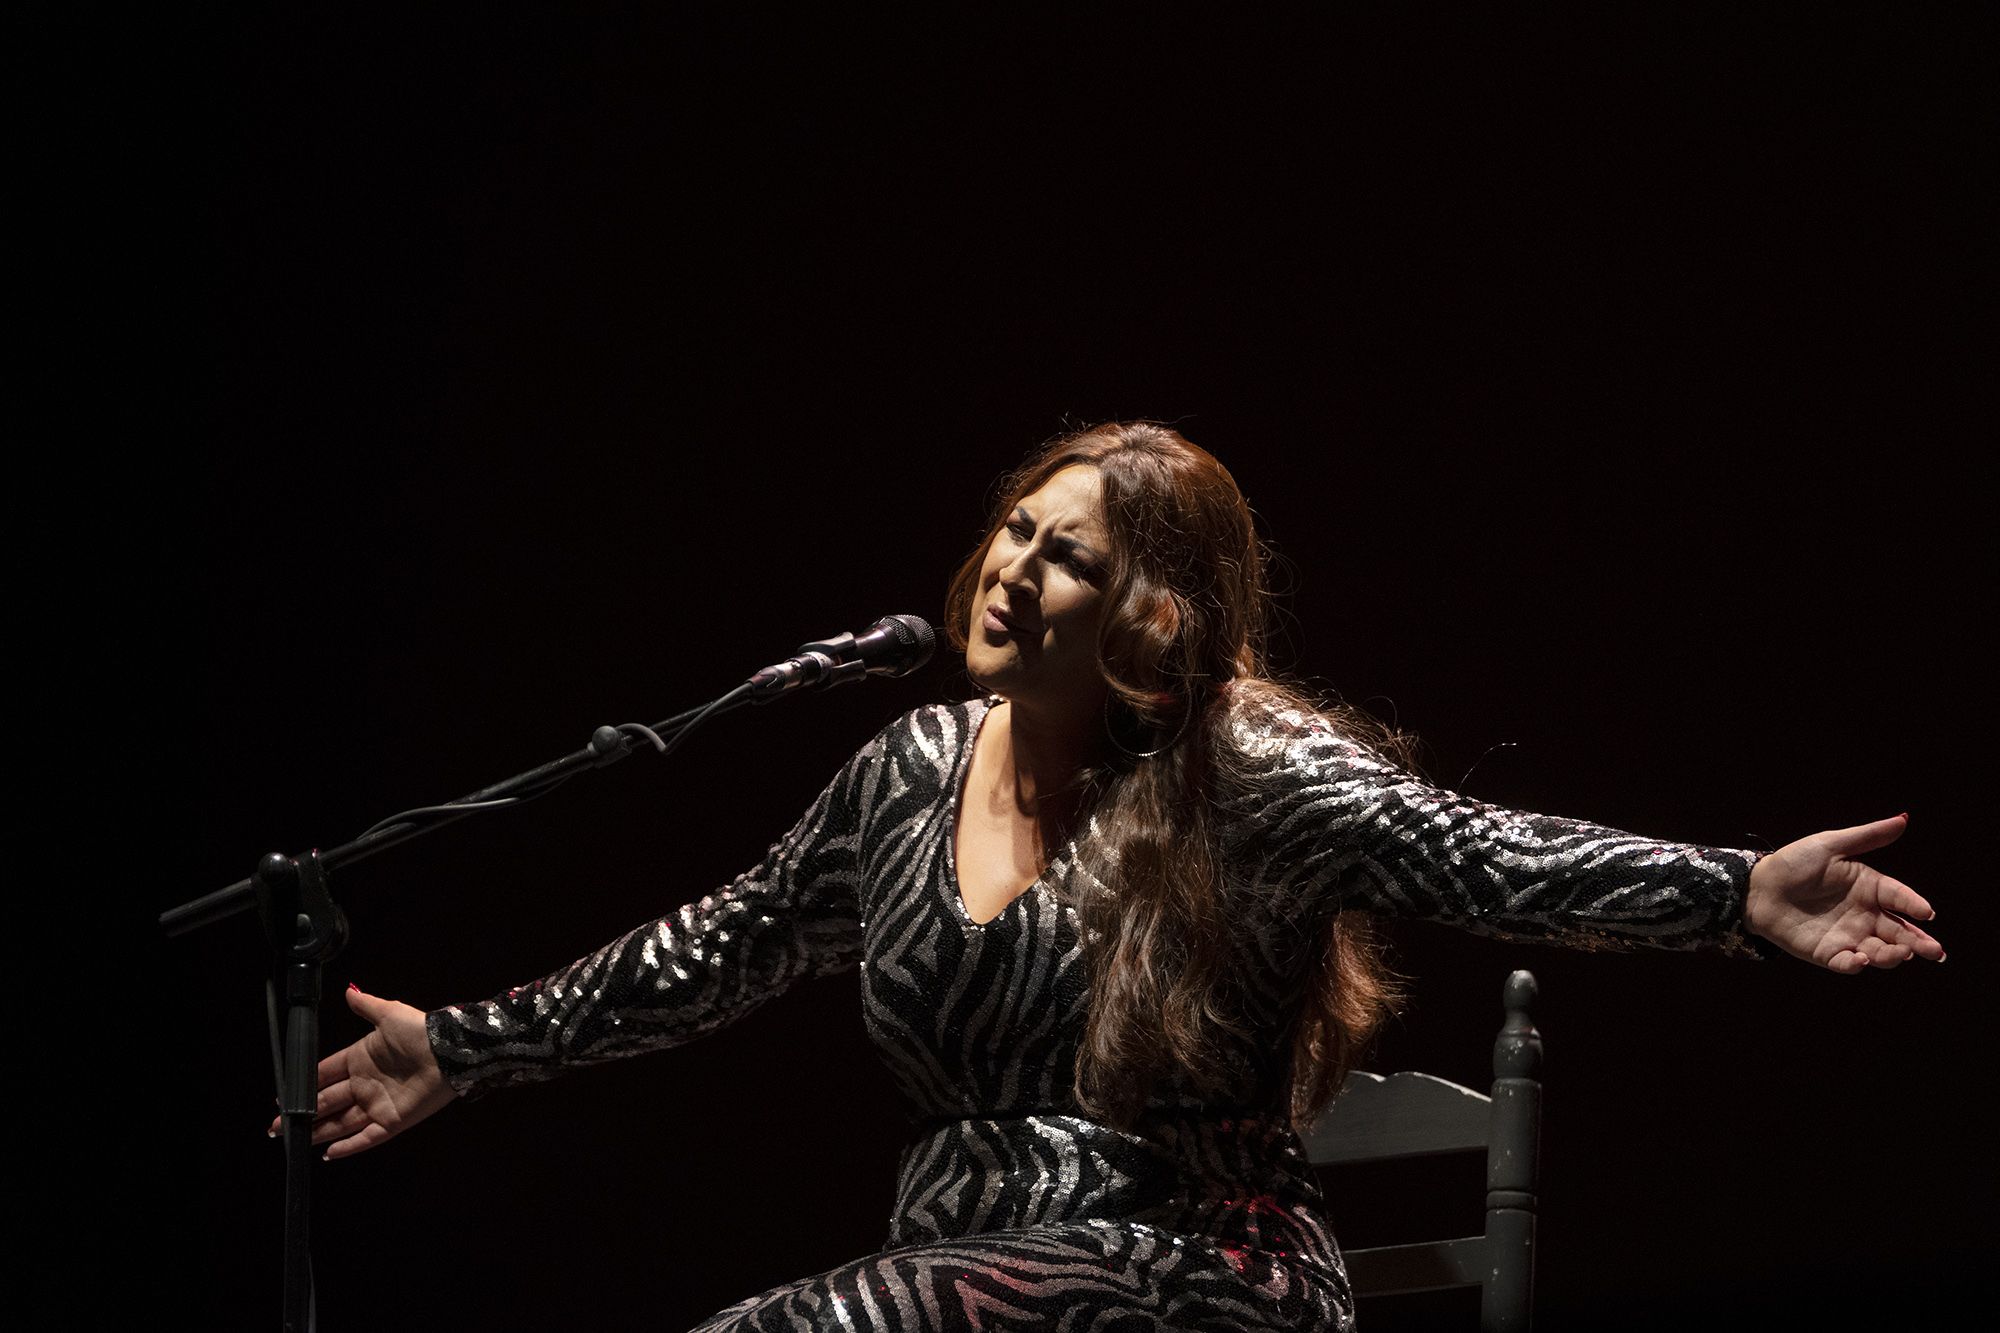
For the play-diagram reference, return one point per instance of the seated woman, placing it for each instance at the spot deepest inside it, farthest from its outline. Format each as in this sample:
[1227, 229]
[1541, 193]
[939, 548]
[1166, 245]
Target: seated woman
[1115, 922]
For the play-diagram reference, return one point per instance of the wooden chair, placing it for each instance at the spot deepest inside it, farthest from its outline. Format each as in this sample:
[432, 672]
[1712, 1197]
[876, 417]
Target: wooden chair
[1378, 1119]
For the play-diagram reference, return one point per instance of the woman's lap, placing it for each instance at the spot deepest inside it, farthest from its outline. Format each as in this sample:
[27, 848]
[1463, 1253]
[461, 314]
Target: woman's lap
[1093, 1277]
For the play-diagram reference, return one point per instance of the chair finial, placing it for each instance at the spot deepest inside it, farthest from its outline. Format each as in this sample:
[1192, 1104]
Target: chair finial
[1520, 992]
[1517, 1052]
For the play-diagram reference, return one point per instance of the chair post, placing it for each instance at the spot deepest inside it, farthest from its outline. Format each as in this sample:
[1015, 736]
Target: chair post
[1512, 1162]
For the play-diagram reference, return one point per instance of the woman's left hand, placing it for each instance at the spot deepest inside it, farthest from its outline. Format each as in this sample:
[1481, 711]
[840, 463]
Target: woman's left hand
[1812, 899]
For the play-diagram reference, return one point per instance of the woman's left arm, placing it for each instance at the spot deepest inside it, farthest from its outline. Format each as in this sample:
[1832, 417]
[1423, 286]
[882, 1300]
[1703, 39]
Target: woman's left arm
[1815, 900]
[1324, 815]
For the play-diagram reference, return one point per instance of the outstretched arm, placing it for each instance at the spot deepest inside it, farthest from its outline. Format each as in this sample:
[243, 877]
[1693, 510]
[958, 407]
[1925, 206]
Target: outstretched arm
[1324, 814]
[1322, 820]
[694, 970]
[1815, 901]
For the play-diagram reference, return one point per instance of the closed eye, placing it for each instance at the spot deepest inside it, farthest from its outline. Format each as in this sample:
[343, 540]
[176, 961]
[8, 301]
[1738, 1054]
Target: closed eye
[1063, 553]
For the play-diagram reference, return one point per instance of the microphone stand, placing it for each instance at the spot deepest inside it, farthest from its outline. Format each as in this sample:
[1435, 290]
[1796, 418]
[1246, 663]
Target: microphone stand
[607, 746]
[306, 929]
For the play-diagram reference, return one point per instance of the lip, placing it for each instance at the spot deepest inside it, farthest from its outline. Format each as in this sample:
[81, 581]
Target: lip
[997, 621]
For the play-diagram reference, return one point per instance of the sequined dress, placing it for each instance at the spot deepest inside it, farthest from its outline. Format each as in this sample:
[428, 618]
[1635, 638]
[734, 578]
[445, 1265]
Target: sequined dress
[1014, 1210]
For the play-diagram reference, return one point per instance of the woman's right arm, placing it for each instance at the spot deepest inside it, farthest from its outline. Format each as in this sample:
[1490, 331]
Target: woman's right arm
[795, 915]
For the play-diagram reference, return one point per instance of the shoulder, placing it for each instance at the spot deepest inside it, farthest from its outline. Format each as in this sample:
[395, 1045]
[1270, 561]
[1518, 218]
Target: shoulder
[1268, 728]
[934, 734]
[1262, 719]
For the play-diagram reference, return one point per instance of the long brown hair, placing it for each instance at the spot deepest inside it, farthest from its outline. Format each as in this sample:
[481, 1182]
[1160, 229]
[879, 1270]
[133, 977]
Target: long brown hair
[1182, 648]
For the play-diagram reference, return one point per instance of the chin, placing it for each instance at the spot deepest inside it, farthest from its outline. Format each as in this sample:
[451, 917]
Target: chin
[989, 677]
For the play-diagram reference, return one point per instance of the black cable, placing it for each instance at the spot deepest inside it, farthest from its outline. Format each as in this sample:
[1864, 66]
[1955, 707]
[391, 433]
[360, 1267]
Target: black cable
[736, 695]
[645, 731]
[456, 808]
[277, 1040]
[412, 816]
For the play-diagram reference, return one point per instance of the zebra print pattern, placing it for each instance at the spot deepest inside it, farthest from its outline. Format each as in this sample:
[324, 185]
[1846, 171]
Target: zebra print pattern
[1014, 1210]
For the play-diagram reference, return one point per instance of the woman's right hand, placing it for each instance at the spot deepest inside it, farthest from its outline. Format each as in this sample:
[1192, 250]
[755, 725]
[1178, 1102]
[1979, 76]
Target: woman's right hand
[381, 1085]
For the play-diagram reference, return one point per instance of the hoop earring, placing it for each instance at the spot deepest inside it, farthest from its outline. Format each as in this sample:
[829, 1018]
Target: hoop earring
[1116, 744]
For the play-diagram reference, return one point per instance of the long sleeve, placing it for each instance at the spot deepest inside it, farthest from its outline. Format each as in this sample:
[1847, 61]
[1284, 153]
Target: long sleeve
[1325, 815]
[695, 970]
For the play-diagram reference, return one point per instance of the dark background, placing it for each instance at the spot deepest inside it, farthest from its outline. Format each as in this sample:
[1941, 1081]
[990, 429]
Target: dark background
[421, 395]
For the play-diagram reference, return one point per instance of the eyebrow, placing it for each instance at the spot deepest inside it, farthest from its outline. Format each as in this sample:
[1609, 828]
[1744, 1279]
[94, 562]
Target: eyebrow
[1065, 543]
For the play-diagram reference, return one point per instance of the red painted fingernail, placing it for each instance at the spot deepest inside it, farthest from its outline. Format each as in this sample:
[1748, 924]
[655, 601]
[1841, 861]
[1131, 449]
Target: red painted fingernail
[352, 986]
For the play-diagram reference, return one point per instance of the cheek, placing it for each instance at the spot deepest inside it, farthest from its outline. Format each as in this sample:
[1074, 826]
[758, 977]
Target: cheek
[1078, 626]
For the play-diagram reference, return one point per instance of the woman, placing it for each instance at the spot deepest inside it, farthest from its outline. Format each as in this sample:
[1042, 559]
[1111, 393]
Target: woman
[1114, 921]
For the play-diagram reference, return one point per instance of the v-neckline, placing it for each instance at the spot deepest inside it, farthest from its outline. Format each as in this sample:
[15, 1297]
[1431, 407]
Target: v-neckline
[953, 888]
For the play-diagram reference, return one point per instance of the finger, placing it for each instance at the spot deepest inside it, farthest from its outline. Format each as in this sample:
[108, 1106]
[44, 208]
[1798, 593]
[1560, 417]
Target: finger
[1903, 900]
[1918, 940]
[1867, 837]
[334, 1067]
[348, 1122]
[1847, 962]
[334, 1100]
[370, 1135]
[370, 1008]
[1881, 953]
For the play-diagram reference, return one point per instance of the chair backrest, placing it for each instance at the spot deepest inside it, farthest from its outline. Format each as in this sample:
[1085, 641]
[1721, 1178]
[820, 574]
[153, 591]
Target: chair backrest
[1379, 1119]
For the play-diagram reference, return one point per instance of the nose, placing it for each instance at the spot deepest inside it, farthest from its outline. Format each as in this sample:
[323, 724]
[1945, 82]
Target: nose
[1015, 577]
[1014, 574]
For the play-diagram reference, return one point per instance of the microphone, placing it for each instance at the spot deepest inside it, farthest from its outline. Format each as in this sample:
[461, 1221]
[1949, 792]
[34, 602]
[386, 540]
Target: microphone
[892, 646]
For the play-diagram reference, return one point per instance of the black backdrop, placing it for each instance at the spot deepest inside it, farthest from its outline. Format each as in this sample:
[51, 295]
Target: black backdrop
[1604, 378]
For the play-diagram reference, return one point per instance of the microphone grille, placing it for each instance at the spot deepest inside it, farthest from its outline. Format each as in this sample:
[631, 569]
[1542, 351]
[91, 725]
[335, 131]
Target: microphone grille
[915, 632]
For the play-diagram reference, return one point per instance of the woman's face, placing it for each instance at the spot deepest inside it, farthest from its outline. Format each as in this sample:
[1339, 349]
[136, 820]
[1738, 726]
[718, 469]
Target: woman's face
[1033, 636]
